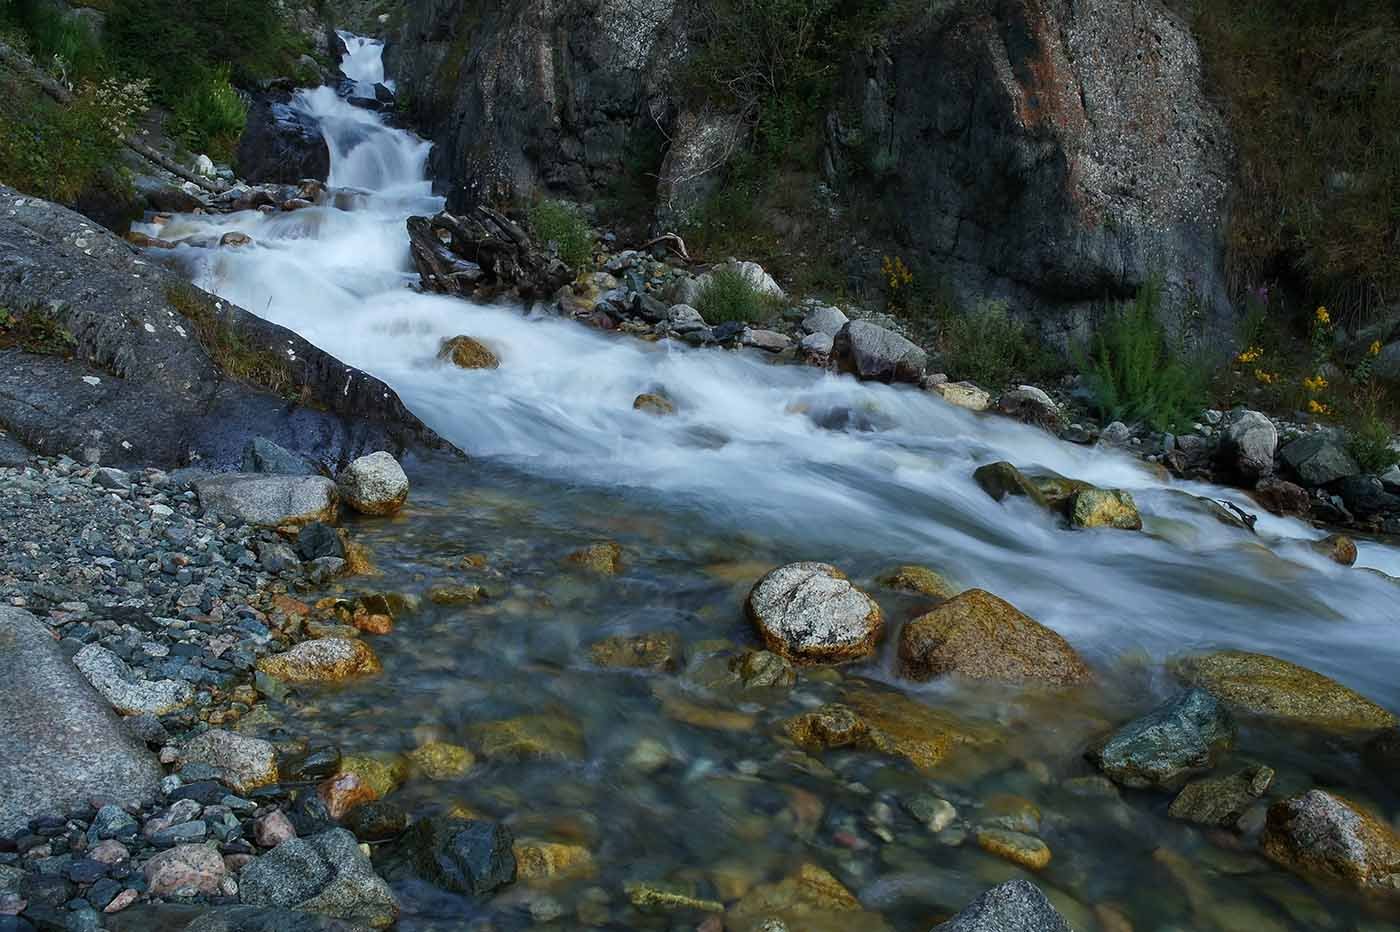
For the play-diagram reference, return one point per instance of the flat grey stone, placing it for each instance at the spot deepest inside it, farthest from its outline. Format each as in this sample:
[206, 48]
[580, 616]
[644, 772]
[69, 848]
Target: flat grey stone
[61, 743]
[269, 501]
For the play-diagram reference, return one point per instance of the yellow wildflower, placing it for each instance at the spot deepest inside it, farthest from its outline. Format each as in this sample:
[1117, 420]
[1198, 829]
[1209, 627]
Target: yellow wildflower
[1317, 407]
[1249, 355]
[1375, 349]
[1315, 384]
[1323, 317]
[1266, 378]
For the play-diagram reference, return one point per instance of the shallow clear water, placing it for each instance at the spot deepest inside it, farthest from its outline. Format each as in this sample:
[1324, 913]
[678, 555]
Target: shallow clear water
[747, 476]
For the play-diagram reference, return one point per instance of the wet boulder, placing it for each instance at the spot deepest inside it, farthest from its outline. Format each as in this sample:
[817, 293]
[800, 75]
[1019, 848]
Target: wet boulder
[1015, 906]
[1184, 736]
[1327, 837]
[373, 484]
[979, 636]
[1257, 684]
[811, 613]
[1110, 508]
[1281, 497]
[1030, 405]
[469, 856]
[919, 580]
[875, 354]
[324, 873]
[465, 352]
[281, 143]
[1221, 801]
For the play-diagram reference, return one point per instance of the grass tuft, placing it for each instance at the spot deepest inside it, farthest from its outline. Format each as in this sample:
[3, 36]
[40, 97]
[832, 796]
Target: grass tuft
[728, 296]
[560, 226]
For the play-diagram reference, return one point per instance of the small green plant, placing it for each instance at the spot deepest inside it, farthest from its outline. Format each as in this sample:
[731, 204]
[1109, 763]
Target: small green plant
[1369, 440]
[987, 345]
[35, 330]
[212, 115]
[1134, 376]
[561, 227]
[728, 296]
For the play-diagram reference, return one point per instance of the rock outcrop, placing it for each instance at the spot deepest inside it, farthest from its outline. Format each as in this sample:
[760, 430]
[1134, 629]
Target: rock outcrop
[128, 363]
[1048, 153]
[281, 143]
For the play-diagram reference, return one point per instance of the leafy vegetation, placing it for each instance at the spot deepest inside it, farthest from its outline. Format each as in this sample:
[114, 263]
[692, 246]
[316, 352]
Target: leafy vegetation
[35, 331]
[60, 42]
[563, 228]
[211, 116]
[1313, 96]
[988, 346]
[728, 296]
[52, 151]
[1135, 376]
[1369, 439]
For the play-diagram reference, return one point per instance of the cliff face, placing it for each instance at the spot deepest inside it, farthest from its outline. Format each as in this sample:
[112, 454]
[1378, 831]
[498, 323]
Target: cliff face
[1049, 153]
[536, 96]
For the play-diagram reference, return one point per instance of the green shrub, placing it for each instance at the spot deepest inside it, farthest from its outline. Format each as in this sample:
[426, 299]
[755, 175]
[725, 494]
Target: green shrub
[561, 227]
[60, 42]
[988, 346]
[1132, 373]
[729, 296]
[1369, 442]
[52, 151]
[211, 115]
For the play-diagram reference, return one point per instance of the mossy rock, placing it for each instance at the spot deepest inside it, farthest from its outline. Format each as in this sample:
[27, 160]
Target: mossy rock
[654, 403]
[437, 760]
[1257, 684]
[467, 353]
[1110, 508]
[919, 580]
[381, 773]
[531, 737]
[659, 651]
[980, 636]
[603, 558]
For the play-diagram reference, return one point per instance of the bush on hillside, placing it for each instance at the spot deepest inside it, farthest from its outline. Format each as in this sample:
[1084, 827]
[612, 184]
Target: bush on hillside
[728, 296]
[988, 346]
[1133, 373]
[560, 226]
[59, 42]
[52, 151]
[211, 115]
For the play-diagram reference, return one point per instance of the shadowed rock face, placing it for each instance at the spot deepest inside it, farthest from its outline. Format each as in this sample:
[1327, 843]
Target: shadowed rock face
[61, 742]
[281, 143]
[1054, 154]
[139, 366]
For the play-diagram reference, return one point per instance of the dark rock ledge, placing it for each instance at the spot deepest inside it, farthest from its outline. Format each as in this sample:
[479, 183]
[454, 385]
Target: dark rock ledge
[109, 358]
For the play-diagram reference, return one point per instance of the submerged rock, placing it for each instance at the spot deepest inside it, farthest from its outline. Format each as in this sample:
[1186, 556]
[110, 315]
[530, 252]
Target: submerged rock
[1221, 801]
[1257, 684]
[325, 873]
[466, 352]
[544, 862]
[809, 898]
[659, 651]
[810, 613]
[374, 484]
[438, 760]
[1017, 847]
[920, 580]
[1338, 548]
[1015, 906]
[463, 855]
[1002, 479]
[326, 660]
[979, 636]
[604, 558]
[1183, 736]
[554, 736]
[1327, 837]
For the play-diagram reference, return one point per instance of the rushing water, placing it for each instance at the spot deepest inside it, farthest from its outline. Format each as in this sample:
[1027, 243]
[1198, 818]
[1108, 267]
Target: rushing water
[748, 474]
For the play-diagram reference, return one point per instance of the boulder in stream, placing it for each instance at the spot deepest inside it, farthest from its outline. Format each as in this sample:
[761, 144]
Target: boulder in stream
[468, 856]
[876, 354]
[373, 484]
[1325, 836]
[811, 613]
[1257, 684]
[1015, 906]
[979, 636]
[1182, 737]
[466, 352]
[1110, 508]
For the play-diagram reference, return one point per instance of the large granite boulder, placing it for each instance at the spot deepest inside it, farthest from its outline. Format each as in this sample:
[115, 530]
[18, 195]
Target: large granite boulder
[810, 613]
[148, 369]
[873, 353]
[61, 743]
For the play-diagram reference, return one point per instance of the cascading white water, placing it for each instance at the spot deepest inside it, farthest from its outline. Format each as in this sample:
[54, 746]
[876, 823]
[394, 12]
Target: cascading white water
[747, 450]
[363, 63]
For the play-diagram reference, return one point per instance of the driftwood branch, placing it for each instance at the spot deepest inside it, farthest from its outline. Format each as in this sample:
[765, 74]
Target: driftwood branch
[58, 92]
[674, 241]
